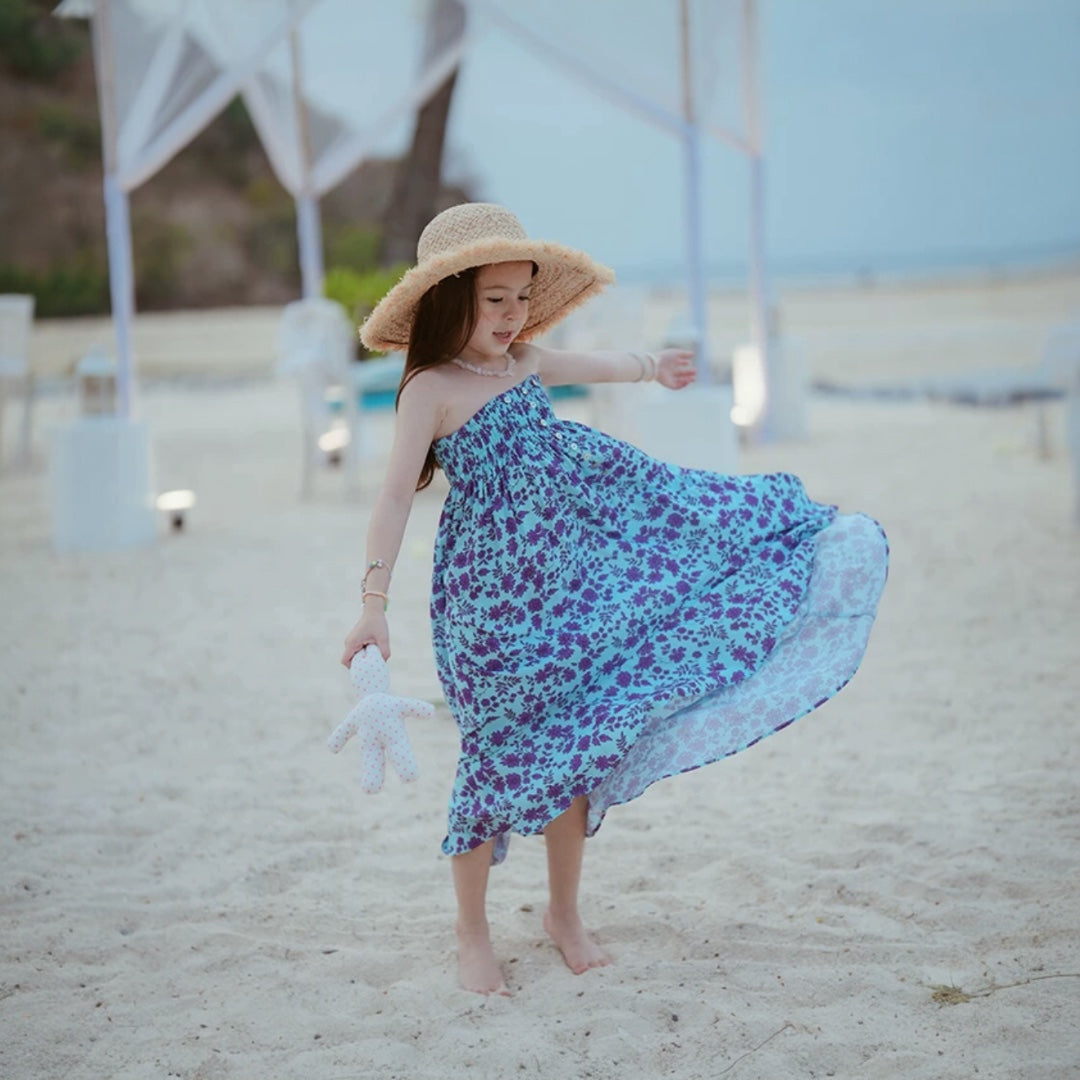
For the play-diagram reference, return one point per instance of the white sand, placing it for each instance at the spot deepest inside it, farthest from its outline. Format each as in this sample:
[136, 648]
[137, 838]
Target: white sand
[193, 886]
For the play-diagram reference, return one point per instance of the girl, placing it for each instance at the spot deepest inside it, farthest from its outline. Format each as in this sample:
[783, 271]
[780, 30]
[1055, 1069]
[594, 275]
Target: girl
[600, 619]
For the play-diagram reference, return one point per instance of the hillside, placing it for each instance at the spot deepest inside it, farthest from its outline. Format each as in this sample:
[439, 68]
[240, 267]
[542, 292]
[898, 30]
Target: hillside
[212, 228]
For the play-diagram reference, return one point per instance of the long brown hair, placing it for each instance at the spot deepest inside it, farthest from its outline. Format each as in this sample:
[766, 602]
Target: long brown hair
[444, 321]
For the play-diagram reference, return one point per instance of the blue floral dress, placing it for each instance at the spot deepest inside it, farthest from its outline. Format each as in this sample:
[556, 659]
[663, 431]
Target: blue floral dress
[602, 620]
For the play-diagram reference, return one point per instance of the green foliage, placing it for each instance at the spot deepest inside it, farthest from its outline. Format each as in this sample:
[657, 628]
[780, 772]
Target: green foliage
[352, 246]
[359, 293]
[238, 128]
[229, 148]
[266, 195]
[78, 287]
[377, 283]
[271, 241]
[34, 44]
[159, 251]
[272, 245]
[79, 136]
[343, 284]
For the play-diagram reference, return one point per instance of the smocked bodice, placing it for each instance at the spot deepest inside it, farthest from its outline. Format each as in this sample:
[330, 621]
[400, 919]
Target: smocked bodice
[516, 429]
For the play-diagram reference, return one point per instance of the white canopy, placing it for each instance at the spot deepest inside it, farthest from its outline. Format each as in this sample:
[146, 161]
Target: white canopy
[167, 67]
[313, 146]
[162, 77]
[689, 68]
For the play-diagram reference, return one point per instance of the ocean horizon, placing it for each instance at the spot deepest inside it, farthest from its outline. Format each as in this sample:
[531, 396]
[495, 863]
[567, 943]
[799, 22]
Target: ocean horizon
[851, 271]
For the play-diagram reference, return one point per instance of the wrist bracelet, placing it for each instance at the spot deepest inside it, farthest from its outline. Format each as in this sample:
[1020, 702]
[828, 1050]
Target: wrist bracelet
[372, 592]
[376, 564]
[642, 369]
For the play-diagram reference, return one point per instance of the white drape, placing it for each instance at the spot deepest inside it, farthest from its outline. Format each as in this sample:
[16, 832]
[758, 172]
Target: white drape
[645, 72]
[313, 140]
[170, 72]
[162, 77]
[684, 65]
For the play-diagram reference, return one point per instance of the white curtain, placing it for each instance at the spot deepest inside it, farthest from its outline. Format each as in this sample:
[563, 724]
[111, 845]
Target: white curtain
[387, 85]
[680, 64]
[162, 77]
[312, 137]
[645, 72]
[170, 74]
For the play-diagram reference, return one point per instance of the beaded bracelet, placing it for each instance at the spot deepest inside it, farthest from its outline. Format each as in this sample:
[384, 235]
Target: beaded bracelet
[376, 564]
[372, 592]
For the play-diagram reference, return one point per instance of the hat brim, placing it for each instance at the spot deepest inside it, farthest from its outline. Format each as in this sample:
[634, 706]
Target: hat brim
[565, 279]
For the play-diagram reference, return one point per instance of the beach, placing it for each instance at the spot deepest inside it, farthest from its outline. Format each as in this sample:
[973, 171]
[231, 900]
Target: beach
[195, 887]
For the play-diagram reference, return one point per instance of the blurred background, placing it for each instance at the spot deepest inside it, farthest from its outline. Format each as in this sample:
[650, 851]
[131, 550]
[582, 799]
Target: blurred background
[924, 139]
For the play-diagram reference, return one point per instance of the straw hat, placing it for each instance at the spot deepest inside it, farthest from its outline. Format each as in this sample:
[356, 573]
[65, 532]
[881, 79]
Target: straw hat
[475, 234]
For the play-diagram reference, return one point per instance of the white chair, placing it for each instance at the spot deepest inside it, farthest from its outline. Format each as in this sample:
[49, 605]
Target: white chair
[315, 346]
[16, 319]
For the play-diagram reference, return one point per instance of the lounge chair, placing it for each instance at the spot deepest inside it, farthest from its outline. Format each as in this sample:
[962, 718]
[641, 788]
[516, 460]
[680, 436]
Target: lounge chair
[315, 346]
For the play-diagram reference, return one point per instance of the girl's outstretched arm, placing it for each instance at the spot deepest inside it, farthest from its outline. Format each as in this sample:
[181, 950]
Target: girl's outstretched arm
[418, 417]
[673, 368]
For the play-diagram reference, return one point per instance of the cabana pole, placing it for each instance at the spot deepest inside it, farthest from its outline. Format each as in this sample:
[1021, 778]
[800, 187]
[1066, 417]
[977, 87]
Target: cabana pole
[117, 218]
[695, 268]
[766, 429]
[308, 222]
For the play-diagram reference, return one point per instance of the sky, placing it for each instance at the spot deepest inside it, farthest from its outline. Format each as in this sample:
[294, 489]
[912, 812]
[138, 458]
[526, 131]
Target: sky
[900, 137]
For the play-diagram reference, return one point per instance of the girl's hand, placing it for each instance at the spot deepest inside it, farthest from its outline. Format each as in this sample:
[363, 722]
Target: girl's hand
[370, 630]
[675, 368]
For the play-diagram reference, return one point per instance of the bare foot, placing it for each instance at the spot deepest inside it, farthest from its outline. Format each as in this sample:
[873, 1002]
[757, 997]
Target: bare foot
[477, 968]
[579, 950]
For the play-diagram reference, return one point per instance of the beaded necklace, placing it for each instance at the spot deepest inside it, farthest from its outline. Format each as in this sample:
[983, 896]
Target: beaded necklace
[511, 363]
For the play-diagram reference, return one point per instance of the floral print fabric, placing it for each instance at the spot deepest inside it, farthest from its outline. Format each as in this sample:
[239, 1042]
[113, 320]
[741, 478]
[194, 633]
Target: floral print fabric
[602, 620]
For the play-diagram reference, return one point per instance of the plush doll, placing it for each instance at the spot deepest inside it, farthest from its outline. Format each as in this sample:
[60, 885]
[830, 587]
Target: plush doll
[379, 719]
